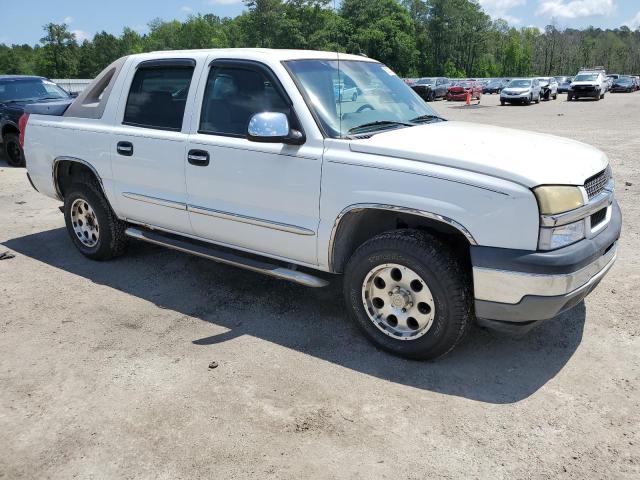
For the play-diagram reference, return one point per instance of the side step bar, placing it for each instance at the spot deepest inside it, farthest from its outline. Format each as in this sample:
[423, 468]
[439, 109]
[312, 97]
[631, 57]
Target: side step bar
[202, 250]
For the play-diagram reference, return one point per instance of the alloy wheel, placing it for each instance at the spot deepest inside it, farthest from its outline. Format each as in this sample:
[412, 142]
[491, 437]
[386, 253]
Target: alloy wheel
[398, 301]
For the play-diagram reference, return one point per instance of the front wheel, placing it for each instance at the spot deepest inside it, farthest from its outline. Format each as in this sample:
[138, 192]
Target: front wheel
[12, 150]
[409, 293]
[92, 225]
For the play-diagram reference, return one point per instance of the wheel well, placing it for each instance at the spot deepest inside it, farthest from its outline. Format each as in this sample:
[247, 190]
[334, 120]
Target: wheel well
[358, 226]
[67, 171]
[9, 129]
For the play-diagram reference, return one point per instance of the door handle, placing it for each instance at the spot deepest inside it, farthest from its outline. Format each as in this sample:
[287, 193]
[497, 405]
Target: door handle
[199, 158]
[125, 148]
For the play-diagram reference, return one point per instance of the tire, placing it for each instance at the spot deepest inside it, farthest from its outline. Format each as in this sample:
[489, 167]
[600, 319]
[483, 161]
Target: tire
[502, 102]
[85, 206]
[12, 150]
[555, 97]
[602, 96]
[442, 275]
[569, 97]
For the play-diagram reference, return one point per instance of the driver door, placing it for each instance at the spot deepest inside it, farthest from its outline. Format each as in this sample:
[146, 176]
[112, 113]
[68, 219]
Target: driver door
[260, 197]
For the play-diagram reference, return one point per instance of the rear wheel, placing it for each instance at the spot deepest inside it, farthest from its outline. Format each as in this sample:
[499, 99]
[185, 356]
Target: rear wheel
[12, 150]
[409, 293]
[92, 225]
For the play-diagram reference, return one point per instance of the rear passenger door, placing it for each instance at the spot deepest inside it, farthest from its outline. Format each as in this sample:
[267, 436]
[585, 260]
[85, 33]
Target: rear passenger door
[149, 143]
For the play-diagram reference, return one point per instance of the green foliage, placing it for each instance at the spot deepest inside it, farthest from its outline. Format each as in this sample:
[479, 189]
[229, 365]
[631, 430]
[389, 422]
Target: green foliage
[414, 37]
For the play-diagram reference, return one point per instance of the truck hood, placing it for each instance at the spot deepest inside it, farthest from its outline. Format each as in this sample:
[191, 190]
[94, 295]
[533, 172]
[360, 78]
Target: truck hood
[527, 158]
[588, 83]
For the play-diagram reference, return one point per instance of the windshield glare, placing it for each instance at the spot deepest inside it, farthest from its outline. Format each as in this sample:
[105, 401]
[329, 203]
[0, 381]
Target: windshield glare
[520, 84]
[587, 77]
[381, 97]
[29, 89]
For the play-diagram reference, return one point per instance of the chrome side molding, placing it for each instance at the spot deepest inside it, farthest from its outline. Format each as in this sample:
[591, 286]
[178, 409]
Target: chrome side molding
[235, 217]
[199, 249]
[154, 200]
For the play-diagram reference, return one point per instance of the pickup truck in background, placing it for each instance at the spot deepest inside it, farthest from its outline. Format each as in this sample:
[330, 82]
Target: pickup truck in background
[16, 92]
[592, 83]
[249, 157]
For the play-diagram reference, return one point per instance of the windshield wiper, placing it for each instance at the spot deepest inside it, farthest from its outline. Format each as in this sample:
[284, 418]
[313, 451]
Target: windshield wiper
[379, 123]
[427, 119]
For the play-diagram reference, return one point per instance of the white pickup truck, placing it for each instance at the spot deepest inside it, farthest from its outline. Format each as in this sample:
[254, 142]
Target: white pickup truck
[252, 157]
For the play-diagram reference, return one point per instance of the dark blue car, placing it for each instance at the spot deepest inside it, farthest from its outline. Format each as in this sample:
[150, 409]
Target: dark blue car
[16, 92]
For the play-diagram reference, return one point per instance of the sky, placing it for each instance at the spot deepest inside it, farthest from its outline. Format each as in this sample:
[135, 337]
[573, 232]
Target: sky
[22, 21]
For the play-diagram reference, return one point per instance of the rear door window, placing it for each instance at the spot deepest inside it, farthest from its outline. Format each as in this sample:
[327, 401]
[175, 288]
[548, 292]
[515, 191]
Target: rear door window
[158, 97]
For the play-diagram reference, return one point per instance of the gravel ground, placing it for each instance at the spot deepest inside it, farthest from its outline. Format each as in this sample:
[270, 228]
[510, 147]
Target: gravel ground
[104, 367]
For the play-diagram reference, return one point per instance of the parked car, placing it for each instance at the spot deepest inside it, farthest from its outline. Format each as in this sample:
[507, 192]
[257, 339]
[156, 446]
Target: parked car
[17, 91]
[458, 91]
[346, 90]
[636, 78]
[431, 89]
[548, 88]
[495, 86]
[564, 83]
[521, 90]
[433, 223]
[623, 84]
[588, 83]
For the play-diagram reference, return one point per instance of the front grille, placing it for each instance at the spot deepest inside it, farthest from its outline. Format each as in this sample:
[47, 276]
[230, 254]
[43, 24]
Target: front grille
[594, 185]
[598, 217]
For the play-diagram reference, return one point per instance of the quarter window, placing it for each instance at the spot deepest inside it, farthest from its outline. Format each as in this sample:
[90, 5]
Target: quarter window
[233, 95]
[158, 97]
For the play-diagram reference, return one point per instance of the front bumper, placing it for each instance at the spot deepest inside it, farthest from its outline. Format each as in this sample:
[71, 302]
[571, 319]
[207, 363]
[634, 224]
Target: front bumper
[521, 287]
[515, 97]
[587, 92]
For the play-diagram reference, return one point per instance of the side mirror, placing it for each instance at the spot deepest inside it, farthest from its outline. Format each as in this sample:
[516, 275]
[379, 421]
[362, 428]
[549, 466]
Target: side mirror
[273, 127]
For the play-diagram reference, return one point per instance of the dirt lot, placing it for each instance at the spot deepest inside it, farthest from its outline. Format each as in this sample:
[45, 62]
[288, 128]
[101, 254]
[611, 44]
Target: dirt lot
[104, 366]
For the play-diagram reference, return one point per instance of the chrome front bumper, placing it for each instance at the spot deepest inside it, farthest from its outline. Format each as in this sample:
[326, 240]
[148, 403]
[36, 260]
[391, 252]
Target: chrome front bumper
[517, 286]
[511, 287]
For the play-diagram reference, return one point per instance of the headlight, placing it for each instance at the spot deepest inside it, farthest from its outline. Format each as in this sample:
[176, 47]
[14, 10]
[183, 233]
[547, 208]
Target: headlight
[552, 238]
[558, 199]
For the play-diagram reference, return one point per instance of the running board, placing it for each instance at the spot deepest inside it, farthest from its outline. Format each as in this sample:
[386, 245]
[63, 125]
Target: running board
[209, 252]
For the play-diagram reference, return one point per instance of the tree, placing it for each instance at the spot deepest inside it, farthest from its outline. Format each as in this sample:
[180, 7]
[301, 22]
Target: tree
[59, 54]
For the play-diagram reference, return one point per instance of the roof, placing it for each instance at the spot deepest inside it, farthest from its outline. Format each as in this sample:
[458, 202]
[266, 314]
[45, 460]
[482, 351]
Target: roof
[271, 53]
[18, 77]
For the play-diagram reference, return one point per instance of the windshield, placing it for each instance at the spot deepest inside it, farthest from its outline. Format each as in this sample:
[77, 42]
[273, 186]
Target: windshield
[29, 89]
[426, 81]
[520, 84]
[383, 100]
[624, 80]
[586, 77]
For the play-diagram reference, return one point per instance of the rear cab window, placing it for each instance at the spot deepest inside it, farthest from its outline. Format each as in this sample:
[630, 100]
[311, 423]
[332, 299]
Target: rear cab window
[158, 94]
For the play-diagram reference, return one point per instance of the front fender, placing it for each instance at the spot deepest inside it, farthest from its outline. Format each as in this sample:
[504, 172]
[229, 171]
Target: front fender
[487, 210]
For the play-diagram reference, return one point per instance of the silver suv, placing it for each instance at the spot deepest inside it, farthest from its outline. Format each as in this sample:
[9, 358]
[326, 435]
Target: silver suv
[521, 90]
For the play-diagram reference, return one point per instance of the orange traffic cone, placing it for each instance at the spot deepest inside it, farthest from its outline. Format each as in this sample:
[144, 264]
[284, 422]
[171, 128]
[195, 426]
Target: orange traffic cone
[468, 98]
